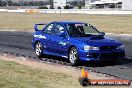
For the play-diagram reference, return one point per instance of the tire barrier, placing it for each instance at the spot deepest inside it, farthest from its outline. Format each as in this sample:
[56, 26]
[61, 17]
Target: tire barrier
[32, 11]
[69, 11]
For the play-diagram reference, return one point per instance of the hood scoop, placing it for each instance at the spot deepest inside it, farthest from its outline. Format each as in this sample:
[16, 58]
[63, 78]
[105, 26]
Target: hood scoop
[99, 37]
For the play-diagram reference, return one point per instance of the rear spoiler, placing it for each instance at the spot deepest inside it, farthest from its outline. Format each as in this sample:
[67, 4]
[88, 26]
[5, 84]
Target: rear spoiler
[36, 26]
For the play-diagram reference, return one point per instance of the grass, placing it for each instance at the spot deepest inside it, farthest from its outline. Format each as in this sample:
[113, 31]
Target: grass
[13, 75]
[26, 21]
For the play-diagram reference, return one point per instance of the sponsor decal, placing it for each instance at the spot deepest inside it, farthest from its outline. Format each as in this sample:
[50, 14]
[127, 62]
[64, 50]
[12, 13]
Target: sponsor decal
[39, 36]
[86, 81]
[62, 43]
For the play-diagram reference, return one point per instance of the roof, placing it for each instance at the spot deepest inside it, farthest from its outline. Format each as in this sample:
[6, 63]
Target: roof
[69, 22]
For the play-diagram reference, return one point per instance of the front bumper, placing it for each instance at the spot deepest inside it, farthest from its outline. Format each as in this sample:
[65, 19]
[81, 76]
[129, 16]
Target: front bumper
[101, 55]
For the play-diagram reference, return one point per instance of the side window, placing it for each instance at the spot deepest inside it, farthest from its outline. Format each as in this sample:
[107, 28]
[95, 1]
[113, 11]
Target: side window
[57, 29]
[48, 29]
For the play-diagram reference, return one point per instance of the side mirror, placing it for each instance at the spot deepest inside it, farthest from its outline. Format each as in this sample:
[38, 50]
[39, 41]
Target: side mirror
[102, 33]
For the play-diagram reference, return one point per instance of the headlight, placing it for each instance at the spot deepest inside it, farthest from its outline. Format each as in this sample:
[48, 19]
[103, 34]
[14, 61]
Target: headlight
[120, 47]
[86, 48]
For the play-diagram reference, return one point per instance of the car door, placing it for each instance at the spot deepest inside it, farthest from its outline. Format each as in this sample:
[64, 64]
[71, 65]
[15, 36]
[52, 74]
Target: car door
[46, 40]
[59, 43]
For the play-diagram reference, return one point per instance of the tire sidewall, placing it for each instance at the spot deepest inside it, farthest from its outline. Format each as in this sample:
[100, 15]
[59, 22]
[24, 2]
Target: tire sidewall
[77, 59]
[40, 55]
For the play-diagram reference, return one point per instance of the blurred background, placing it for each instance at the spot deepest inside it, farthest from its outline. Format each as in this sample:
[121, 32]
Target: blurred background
[67, 4]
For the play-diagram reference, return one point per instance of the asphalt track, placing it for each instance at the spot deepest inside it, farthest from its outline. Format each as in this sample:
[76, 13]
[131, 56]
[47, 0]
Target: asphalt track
[20, 43]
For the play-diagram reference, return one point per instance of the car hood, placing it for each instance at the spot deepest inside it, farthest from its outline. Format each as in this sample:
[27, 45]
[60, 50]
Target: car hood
[99, 41]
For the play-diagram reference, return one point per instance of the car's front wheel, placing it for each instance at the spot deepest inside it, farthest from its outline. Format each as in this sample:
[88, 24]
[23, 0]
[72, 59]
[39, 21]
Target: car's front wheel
[38, 50]
[73, 56]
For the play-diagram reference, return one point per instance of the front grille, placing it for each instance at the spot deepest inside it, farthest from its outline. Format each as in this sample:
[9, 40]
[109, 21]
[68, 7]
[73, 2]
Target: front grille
[109, 55]
[112, 55]
[95, 55]
[108, 47]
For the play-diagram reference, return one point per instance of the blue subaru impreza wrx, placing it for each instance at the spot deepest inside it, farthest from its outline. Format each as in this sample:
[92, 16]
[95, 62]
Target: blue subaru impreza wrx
[76, 41]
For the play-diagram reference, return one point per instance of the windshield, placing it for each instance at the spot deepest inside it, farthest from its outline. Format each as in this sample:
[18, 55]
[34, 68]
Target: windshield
[81, 30]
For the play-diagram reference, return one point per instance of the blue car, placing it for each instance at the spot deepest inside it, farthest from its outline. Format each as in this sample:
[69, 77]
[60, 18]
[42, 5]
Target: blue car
[76, 41]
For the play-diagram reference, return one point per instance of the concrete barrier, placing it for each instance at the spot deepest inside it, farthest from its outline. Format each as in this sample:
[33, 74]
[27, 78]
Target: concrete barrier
[66, 11]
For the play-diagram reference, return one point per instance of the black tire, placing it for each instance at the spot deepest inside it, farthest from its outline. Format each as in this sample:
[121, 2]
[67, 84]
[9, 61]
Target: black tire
[84, 81]
[113, 62]
[73, 56]
[39, 50]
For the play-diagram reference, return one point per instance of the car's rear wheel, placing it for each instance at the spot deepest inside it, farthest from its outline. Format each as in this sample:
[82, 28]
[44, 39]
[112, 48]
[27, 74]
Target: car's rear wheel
[73, 56]
[38, 50]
